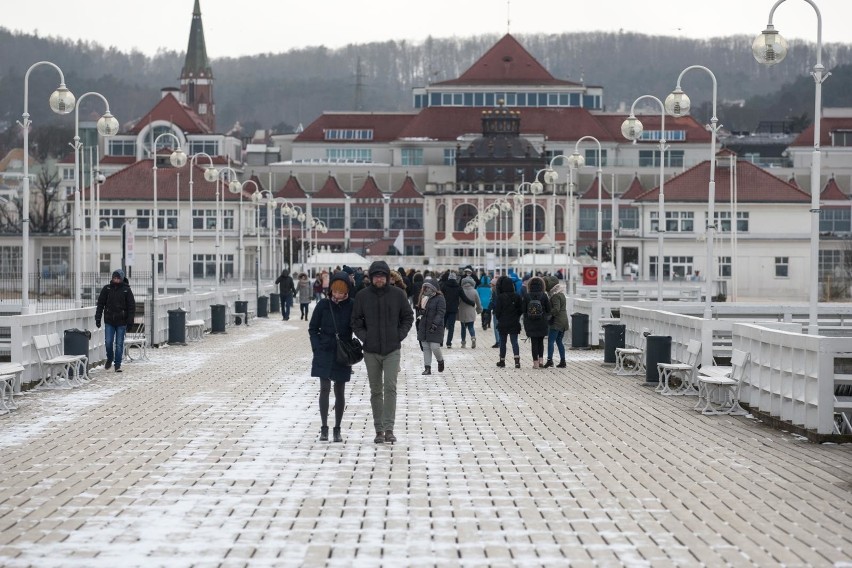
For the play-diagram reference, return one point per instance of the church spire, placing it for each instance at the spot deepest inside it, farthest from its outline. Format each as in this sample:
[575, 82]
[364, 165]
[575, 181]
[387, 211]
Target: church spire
[196, 77]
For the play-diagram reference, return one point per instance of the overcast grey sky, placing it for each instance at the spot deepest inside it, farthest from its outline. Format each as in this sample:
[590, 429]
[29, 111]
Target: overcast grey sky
[248, 27]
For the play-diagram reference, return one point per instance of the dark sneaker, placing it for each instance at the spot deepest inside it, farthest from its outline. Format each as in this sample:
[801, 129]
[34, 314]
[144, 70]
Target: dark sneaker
[324, 434]
[389, 437]
[517, 362]
[108, 364]
[548, 363]
[501, 363]
[380, 438]
[495, 346]
[336, 434]
[118, 370]
[449, 346]
[562, 364]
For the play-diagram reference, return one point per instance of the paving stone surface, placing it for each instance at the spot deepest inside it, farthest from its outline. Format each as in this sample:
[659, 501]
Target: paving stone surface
[208, 455]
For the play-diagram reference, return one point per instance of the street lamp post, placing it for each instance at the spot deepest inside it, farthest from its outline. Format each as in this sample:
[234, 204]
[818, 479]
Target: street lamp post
[769, 48]
[577, 161]
[61, 102]
[234, 187]
[677, 104]
[632, 129]
[178, 160]
[107, 125]
[211, 174]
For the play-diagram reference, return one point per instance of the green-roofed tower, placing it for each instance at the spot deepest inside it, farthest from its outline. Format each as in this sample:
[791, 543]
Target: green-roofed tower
[196, 77]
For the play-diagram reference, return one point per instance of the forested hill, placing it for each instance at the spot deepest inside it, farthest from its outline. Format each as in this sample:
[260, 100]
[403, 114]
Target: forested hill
[284, 89]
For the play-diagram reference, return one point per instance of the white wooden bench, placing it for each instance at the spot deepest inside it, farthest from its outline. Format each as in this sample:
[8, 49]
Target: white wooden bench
[10, 381]
[195, 330]
[678, 379]
[719, 389]
[56, 368]
[631, 360]
[136, 340]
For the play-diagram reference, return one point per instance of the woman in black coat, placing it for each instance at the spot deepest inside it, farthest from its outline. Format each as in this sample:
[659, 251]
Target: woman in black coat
[332, 313]
[431, 307]
[507, 310]
[537, 318]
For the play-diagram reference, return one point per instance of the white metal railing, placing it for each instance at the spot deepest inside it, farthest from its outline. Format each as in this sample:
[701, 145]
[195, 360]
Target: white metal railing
[791, 375]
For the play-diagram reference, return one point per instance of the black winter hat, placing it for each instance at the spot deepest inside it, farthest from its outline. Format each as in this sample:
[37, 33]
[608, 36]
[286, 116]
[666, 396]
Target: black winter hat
[379, 267]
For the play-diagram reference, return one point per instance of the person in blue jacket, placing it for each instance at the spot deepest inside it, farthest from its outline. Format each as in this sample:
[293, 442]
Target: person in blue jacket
[484, 291]
[517, 281]
[332, 316]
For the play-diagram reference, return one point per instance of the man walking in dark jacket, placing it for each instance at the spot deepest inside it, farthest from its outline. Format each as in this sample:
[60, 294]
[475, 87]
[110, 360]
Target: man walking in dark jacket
[117, 307]
[286, 288]
[381, 318]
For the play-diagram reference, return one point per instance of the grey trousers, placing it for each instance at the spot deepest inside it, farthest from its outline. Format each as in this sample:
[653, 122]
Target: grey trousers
[382, 371]
[428, 349]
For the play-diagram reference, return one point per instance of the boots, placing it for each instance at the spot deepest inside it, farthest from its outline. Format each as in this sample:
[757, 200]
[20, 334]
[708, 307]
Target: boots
[548, 364]
[441, 366]
[562, 364]
[463, 344]
[517, 362]
[501, 363]
[427, 371]
[389, 437]
[380, 437]
[473, 343]
[324, 434]
[535, 363]
[336, 433]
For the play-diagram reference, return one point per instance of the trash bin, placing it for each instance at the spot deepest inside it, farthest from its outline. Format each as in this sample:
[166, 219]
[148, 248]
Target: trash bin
[177, 326]
[580, 330]
[613, 338]
[217, 318]
[241, 307]
[658, 349]
[76, 342]
[262, 302]
[274, 303]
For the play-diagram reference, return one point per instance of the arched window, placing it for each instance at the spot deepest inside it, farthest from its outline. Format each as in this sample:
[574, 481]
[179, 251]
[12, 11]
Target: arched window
[463, 214]
[502, 223]
[539, 219]
[442, 218]
[559, 219]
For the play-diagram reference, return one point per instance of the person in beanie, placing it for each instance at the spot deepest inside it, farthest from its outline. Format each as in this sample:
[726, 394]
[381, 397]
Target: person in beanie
[484, 291]
[452, 292]
[117, 307]
[558, 320]
[381, 318]
[468, 312]
[430, 329]
[331, 318]
[507, 310]
[305, 294]
[536, 309]
[287, 289]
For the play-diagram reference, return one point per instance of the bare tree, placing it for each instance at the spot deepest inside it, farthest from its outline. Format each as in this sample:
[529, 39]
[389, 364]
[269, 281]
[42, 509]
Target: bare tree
[47, 214]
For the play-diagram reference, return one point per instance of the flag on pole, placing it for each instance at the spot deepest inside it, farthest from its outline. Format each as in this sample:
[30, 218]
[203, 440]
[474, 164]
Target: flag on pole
[399, 243]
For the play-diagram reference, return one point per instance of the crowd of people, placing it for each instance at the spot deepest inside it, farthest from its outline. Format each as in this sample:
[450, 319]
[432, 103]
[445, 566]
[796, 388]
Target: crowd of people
[381, 305]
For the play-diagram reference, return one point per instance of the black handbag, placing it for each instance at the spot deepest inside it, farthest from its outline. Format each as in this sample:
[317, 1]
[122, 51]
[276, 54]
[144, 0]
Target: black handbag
[349, 351]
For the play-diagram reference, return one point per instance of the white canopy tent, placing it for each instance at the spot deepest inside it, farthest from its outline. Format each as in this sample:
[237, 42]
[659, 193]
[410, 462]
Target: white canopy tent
[323, 260]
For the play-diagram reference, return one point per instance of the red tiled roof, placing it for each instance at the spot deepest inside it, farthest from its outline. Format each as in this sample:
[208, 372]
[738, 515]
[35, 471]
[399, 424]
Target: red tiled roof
[369, 190]
[136, 182]
[250, 188]
[832, 192]
[507, 62]
[754, 185]
[118, 159]
[592, 192]
[330, 189]
[15, 154]
[827, 125]
[408, 190]
[170, 109]
[386, 126]
[635, 189]
[291, 189]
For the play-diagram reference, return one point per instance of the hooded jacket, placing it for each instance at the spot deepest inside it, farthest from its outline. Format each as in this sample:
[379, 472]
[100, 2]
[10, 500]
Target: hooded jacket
[381, 317]
[306, 293]
[329, 316]
[286, 287]
[537, 327]
[484, 291]
[467, 312]
[116, 303]
[507, 307]
[558, 304]
[430, 328]
[452, 291]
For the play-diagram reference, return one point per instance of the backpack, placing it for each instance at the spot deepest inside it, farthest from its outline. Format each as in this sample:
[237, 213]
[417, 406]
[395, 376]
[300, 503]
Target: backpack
[534, 309]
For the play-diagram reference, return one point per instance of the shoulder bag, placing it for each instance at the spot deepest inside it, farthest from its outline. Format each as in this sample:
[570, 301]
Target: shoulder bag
[349, 351]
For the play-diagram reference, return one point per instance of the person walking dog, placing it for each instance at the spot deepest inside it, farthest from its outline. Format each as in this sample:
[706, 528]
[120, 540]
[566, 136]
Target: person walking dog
[381, 319]
[117, 307]
[331, 319]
